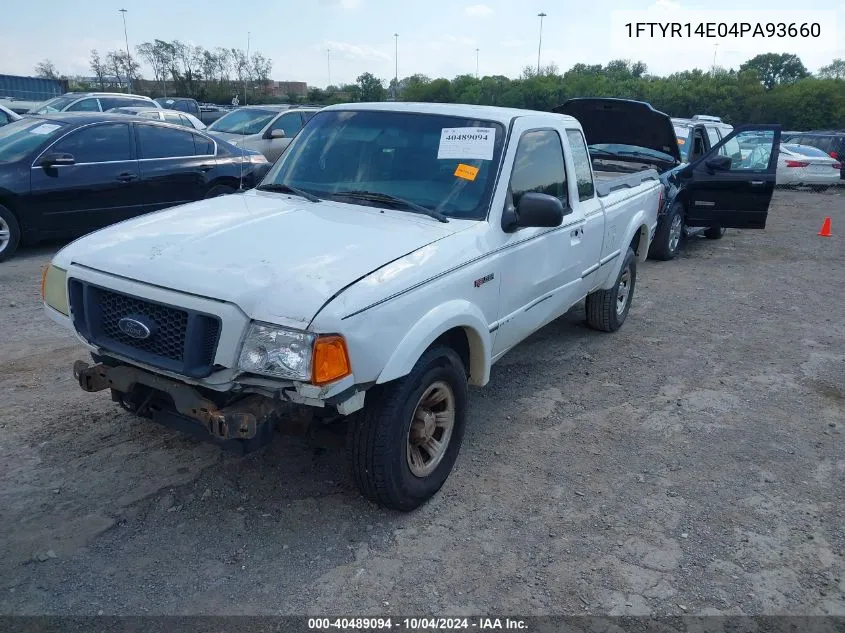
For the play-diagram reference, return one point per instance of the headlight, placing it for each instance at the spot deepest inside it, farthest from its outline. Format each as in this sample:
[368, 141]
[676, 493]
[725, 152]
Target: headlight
[277, 351]
[54, 288]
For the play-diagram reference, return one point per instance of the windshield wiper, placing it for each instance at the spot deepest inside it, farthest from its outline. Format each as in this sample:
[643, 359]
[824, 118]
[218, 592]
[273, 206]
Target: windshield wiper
[281, 188]
[395, 202]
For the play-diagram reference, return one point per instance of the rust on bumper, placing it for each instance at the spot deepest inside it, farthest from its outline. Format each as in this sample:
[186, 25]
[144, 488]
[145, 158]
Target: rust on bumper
[236, 421]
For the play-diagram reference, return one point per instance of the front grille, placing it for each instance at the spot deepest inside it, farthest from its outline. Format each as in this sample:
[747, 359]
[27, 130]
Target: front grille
[180, 340]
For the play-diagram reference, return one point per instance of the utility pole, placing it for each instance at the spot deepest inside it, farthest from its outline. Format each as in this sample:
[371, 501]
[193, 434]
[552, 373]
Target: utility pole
[540, 47]
[396, 74]
[128, 56]
[246, 65]
[329, 65]
[476, 63]
[715, 49]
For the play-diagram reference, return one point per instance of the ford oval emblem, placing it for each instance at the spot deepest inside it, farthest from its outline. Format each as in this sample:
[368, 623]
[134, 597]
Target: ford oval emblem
[134, 328]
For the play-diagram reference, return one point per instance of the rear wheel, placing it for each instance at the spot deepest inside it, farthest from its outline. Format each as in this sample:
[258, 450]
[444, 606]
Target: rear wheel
[715, 232]
[219, 190]
[403, 447]
[10, 233]
[607, 309]
[667, 241]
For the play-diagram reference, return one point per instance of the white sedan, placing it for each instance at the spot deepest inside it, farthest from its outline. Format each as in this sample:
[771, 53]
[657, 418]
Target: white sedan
[805, 165]
[171, 116]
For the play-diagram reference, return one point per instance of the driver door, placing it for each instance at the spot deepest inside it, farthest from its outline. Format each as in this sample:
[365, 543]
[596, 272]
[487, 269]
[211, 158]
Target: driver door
[731, 185]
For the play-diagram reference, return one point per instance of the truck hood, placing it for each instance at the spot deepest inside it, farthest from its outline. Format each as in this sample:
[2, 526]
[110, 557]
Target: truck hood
[279, 258]
[623, 122]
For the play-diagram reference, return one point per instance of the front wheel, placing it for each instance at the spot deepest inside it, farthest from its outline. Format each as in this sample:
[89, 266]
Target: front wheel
[405, 444]
[607, 309]
[10, 233]
[667, 241]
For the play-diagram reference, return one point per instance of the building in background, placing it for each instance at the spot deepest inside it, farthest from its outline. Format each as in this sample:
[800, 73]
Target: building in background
[31, 88]
[298, 89]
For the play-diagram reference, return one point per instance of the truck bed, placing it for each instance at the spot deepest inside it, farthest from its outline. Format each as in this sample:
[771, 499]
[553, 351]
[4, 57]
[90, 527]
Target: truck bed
[607, 181]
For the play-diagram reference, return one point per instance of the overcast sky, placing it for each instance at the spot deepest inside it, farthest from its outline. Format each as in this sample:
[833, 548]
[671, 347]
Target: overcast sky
[436, 37]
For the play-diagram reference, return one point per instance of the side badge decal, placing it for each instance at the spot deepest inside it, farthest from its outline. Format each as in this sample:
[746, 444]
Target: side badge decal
[483, 280]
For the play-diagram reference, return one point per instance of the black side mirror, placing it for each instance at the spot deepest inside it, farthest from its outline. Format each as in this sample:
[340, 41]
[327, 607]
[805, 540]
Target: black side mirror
[534, 209]
[718, 163]
[55, 158]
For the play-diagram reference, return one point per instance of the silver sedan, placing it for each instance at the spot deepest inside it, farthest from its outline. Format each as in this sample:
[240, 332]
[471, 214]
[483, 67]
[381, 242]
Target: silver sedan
[171, 116]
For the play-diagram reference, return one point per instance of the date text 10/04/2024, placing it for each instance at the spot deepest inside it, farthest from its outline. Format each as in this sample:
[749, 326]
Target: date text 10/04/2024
[416, 624]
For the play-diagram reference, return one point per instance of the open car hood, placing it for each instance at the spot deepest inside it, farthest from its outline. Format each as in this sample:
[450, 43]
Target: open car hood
[624, 122]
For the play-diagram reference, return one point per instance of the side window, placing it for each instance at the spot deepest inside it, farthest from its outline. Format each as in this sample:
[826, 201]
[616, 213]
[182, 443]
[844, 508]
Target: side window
[697, 145]
[539, 166]
[713, 136]
[172, 117]
[163, 142]
[149, 115]
[204, 146]
[86, 105]
[749, 150]
[97, 143]
[138, 103]
[183, 120]
[113, 102]
[4, 119]
[583, 168]
[291, 123]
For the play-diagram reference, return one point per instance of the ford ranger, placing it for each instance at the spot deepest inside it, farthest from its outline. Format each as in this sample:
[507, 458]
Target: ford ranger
[390, 257]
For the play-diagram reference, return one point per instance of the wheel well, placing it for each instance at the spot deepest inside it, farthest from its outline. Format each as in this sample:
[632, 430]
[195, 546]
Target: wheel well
[468, 345]
[224, 180]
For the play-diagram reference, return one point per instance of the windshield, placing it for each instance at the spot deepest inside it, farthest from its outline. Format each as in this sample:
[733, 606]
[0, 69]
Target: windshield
[58, 104]
[438, 162]
[243, 122]
[805, 150]
[20, 138]
[683, 134]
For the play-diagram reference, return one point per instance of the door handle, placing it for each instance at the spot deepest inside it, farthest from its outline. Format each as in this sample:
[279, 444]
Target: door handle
[576, 232]
[206, 167]
[758, 183]
[127, 177]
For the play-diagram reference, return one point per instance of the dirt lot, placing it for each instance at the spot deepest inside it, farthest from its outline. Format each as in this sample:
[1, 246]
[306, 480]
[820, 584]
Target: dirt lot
[692, 462]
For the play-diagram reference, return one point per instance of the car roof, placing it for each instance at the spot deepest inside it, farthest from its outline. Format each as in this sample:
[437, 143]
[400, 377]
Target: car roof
[489, 113]
[83, 118]
[104, 94]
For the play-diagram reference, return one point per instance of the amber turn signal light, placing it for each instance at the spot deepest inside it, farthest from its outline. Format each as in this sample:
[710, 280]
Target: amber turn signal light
[331, 360]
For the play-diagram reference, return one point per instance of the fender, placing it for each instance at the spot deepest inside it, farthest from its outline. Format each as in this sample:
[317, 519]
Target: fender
[634, 225]
[457, 313]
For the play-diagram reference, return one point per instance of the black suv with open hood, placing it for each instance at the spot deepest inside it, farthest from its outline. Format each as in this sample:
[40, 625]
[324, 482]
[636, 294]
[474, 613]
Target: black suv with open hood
[627, 136]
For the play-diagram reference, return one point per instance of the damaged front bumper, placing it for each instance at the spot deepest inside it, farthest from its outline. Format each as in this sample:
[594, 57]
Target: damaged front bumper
[242, 425]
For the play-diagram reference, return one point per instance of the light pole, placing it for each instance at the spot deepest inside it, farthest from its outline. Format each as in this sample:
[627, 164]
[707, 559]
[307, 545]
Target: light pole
[329, 65]
[128, 56]
[476, 63]
[540, 47]
[246, 65]
[396, 73]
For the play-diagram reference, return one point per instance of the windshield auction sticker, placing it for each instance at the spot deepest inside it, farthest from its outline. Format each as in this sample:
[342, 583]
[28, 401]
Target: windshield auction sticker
[45, 128]
[469, 143]
[467, 172]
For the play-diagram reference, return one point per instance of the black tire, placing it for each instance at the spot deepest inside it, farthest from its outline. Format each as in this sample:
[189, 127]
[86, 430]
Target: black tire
[602, 312]
[8, 222]
[219, 190]
[662, 247]
[715, 233]
[378, 439]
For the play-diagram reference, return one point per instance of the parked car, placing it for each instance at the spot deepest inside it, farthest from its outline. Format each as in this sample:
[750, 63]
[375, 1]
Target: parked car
[268, 129]
[204, 112]
[171, 116]
[66, 174]
[7, 115]
[832, 142]
[803, 165]
[91, 102]
[710, 186]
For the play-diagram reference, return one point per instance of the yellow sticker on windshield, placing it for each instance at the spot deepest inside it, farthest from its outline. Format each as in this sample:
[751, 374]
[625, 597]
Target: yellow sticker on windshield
[681, 141]
[467, 172]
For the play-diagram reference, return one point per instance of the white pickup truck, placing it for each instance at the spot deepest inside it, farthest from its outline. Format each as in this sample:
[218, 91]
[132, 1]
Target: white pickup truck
[389, 258]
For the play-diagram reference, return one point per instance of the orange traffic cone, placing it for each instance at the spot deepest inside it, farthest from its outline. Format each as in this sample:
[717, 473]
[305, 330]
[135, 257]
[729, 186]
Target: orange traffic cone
[825, 232]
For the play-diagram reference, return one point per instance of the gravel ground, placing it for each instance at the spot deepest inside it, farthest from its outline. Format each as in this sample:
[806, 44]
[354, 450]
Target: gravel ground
[690, 463]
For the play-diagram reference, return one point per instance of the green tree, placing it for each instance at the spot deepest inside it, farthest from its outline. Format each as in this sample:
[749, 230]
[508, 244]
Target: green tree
[370, 87]
[834, 70]
[774, 69]
[46, 70]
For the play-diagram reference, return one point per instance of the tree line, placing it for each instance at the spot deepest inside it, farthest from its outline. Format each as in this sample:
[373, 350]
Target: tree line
[769, 88]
